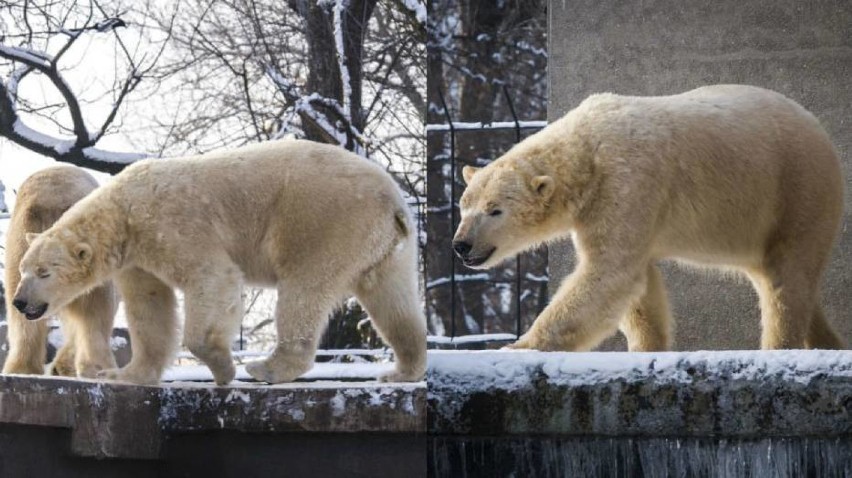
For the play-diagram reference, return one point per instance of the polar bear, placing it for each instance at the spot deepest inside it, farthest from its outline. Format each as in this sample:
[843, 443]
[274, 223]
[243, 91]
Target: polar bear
[311, 220]
[87, 320]
[728, 176]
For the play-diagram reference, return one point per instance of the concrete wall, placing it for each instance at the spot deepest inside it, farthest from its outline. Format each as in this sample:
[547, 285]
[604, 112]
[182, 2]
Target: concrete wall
[657, 47]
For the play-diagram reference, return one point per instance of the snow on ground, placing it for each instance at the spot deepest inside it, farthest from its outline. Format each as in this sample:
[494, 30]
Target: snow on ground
[321, 371]
[482, 370]
[470, 339]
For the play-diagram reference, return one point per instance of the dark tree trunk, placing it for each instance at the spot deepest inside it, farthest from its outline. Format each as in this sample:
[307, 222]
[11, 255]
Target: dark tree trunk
[324, 74]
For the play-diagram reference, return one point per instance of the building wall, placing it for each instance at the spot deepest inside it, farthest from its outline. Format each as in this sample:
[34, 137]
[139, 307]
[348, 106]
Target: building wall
[657, 47]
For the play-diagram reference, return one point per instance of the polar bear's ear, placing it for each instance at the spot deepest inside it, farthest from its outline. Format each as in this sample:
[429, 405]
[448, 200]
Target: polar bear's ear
[468, 172]
[82, 251]
[30, 237]
[543, 186]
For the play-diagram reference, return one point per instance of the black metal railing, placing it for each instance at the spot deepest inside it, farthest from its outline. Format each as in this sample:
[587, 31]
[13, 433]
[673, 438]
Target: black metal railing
[454, 129]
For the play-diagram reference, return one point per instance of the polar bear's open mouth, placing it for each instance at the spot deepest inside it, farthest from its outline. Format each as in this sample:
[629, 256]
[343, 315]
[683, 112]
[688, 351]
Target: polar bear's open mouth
[478, 260]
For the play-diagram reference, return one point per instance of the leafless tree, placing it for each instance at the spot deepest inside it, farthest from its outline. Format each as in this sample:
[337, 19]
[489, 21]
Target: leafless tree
[35, 45]
[343, 72]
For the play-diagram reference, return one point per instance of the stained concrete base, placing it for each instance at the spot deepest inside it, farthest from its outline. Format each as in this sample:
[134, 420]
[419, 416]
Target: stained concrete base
[319, 428]
[563, 414]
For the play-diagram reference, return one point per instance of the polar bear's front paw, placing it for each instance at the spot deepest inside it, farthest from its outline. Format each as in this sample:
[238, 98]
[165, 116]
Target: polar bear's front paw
[224, 375]
[89, 370]
[61, 368]
[521, 343]
[276, 371]
[527, 342]
[132, 375]
[401, 376]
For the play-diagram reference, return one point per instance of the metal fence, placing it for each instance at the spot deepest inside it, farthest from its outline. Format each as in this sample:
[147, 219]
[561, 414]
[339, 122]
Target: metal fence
[454, 129]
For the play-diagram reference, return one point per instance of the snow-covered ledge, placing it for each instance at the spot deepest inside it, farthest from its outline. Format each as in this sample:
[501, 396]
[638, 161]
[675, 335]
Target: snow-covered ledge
[673, 394]
[128, 421]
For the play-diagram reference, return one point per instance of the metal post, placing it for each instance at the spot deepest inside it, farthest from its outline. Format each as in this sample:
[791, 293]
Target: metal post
[518, 257]
[452, 212]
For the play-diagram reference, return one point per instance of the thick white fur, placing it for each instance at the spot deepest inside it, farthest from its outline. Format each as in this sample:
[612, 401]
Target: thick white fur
[727, 176]
[313, 221]
[86, 321]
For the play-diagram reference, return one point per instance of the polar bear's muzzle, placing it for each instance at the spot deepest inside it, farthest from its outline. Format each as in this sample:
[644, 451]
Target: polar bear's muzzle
[31, 311]
[465, 252]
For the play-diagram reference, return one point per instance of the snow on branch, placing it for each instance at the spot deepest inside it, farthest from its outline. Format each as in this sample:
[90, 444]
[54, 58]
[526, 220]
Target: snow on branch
[496, 125]
[345, 81]
[305, 105]
[418, 7]
[80, 150]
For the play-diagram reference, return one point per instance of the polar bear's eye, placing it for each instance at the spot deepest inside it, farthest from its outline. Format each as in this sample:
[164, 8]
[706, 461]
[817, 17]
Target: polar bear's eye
[42, 273]
[495, 212]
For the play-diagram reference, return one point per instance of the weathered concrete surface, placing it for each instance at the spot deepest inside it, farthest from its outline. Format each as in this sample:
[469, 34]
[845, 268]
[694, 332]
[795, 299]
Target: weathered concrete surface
[629, 457]
[657, 47]
[741, 395]
[617, 414]
[111, 420]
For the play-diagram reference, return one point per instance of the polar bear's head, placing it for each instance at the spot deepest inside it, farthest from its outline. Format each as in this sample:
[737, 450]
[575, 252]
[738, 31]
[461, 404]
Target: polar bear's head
[54, 271]
[501, 210]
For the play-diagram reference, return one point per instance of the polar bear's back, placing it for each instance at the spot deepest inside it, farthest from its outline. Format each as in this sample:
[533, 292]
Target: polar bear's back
[716, 159]
[273, 203]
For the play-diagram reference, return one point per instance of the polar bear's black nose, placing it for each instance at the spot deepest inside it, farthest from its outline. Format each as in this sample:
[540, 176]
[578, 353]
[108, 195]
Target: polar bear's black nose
[461, 248]
[20, 304]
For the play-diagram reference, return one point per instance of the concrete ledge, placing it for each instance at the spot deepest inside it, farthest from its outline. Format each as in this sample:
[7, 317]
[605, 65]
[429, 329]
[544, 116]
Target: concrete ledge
[695, 394]
[128, 421]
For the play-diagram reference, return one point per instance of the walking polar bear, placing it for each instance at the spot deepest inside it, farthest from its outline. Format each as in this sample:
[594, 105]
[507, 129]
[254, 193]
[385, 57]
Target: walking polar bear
[87, 320]
[314, 221]
[727, 176]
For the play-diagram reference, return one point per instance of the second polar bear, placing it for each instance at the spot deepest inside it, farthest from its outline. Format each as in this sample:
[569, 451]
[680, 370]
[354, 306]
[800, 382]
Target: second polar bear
[86, 321]
[311, 220]
[728, 176]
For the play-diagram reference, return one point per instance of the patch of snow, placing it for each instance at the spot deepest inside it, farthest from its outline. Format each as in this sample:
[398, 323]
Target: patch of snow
[338, 404]
[459, 278]
[296, 414]
[321, 371]
[235, 395]
[482, 370]
[25, 55]
[117, 342]
[55, 338]
[470, 339]
[345, 81]
[418, 7]
[112, 156]
[487, 126]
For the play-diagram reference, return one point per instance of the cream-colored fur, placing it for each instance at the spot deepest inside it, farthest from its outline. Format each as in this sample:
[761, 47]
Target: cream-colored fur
[87, 320]
[313, 221]
[728, 176]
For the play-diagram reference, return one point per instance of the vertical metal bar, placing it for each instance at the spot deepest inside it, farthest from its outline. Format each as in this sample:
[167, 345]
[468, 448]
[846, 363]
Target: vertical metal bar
[452, 211]
[518, 257]
[424, 210]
